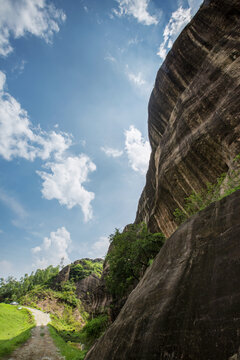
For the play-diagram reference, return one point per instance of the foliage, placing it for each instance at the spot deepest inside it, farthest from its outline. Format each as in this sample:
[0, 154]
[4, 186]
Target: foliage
[225, 185]
[85, 268]
[68, 339]
[15, 327]
[93, 330]
[131, 253]
[67, 349]
[12, 289]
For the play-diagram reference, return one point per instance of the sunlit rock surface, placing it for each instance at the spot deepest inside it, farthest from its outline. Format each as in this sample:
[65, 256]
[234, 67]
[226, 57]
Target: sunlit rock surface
[194, 113]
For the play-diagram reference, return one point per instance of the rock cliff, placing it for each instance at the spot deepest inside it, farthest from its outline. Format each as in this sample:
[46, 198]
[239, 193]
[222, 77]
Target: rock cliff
[194, 118]
[187, 304]
[87, 282]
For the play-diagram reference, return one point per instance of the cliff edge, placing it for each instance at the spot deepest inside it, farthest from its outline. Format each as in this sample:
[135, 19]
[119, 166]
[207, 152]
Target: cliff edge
[194, 114]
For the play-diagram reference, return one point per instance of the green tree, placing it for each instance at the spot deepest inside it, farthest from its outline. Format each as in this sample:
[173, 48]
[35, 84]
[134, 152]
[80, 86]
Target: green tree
[130, 254]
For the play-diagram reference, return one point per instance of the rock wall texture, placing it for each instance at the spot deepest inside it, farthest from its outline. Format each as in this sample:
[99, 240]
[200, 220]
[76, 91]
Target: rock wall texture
[187, 305]
[194, 113]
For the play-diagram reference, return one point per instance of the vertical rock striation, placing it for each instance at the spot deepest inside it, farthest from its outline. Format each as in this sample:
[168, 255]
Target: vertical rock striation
[187, 304]
[194, 115]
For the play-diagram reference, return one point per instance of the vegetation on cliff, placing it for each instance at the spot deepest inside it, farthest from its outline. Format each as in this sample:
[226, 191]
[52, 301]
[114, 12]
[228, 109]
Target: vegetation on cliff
[225, 185]
[131, 253]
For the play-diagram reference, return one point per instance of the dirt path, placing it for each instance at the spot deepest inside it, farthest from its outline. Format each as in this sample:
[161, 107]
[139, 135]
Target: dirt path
[40, 346]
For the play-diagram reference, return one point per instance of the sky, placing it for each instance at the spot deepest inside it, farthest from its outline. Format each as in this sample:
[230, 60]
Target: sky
[75, 80]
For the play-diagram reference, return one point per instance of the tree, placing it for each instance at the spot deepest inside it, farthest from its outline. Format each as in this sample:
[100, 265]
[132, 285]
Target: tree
[130, 254]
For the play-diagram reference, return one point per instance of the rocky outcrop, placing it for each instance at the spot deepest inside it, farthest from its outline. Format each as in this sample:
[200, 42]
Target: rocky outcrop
[187, 304]
[86, 288]
[194, 117]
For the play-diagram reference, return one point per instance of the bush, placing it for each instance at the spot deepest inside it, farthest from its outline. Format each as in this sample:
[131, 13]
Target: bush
[93, 330]
[131, 253]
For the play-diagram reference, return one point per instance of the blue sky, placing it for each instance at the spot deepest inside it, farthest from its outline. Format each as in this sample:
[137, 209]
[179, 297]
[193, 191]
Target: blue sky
[75, 80]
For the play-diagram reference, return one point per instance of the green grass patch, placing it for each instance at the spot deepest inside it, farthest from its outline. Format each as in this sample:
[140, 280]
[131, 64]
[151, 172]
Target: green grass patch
[66, 348]
[15, 328]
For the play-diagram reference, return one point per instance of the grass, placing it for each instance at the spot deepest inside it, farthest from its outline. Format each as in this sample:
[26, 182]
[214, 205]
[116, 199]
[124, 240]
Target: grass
[226, 184]
[66, 349]
[15, 328]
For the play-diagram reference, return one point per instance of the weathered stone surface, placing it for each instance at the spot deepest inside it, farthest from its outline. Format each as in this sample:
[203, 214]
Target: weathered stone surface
[187, 305]
[86, 289]
[194, 113]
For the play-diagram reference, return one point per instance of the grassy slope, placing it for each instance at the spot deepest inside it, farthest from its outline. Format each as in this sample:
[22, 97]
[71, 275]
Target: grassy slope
[15, 326]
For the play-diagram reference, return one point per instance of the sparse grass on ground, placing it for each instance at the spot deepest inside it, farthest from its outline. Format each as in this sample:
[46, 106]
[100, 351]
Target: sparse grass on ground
[15, 328]
[66, 348]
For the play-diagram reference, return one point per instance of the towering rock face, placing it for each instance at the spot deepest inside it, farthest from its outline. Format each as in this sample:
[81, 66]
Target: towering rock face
[194, 116]
[187, 304]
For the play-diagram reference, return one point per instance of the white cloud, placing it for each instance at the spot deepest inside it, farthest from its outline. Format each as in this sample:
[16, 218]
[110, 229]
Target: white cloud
[178, 20]
[13, 204]
[64, 183]
[137, 9]
[138, 150]
[99, 248]
[21, 17]
[6, 268]
[53, 249]
[2, 80]
[111, 152]
[18, 138]
[136, 79]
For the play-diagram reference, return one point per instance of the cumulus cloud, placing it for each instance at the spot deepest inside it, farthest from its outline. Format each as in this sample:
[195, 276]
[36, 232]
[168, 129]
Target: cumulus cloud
[53, 249]
[65, 183]
[99, 248]
[178, 20]
[136, 8]
[21, 17]
[18, 137]
[138, 150]
[111, 152]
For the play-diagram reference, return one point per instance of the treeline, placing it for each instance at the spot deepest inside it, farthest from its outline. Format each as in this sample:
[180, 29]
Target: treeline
[12, 289]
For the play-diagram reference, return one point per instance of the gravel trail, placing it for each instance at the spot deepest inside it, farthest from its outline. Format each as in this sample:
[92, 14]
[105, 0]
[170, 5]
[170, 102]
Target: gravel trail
[40, 346]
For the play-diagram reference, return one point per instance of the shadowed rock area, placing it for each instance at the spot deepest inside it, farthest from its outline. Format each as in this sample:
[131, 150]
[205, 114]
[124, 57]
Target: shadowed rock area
[187, 304]
[194, 113]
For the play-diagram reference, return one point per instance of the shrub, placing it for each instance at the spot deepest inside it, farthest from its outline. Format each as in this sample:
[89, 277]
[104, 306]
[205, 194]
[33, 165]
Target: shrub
[130, 253]
[225, 185]
[93, 330]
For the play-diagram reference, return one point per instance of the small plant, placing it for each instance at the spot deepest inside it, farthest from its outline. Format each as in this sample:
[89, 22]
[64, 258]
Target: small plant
[225, 185]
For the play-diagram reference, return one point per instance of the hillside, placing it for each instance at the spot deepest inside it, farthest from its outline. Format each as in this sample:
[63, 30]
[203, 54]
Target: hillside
[64, 297]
